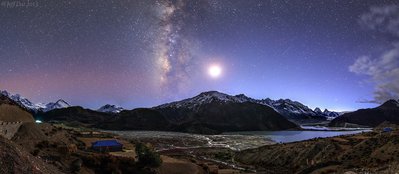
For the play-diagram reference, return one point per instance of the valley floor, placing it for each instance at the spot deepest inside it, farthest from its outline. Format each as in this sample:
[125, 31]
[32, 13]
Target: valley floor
[68, 150]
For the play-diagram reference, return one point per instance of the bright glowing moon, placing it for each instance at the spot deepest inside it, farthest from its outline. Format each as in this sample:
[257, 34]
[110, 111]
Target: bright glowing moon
[215, 71]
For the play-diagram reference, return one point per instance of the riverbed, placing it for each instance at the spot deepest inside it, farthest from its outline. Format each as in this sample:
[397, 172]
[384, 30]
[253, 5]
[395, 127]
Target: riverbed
[233, 140]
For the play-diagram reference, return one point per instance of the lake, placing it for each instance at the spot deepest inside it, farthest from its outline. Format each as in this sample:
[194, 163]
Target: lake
[293, 136]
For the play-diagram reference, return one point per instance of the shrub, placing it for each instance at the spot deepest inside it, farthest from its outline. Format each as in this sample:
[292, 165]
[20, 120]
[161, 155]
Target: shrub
[224, 156]
[147, 157]
[35, 152]
[42, 144]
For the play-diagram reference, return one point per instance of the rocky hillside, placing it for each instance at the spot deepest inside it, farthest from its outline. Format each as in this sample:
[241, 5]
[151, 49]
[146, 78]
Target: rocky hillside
[370, 152]
[14, 159]
[10, 111]
[389, 111]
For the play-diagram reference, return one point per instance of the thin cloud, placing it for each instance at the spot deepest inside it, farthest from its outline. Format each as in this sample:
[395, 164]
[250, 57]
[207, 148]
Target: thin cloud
[382, 70]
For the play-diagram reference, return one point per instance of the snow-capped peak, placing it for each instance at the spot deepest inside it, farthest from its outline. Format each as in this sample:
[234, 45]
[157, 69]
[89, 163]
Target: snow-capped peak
[318, 110]
[204, 98]
[57, 105]
[285, 107]
[331, 113]
[110, 109]
[20, 100]
[35, 107]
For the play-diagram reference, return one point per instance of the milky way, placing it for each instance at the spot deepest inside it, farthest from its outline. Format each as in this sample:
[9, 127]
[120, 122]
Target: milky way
[141, 53]
[174, 45]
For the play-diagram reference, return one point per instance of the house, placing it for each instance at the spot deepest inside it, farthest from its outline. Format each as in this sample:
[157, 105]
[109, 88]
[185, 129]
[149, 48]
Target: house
[107, 146]
[387, 129]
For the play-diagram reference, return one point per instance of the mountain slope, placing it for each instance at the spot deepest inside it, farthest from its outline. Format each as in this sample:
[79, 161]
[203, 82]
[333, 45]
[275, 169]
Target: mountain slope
[10, 111]
[223, 117]
[137, 119]
[57, 105]
[20, 100]
[74, 114]
[370, 152]
[14, 159]
[389, 111]
[32, 107]
[217, 112]
[292, 110]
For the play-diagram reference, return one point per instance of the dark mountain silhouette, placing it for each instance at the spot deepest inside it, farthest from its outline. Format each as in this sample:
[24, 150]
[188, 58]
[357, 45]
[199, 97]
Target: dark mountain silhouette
[226, 116]
[210, 113]
[137, 119]
[74, 114]
[389, 111]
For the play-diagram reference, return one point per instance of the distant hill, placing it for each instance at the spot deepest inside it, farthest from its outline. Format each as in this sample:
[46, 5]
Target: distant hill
[389, 111]
[74, 114]
[10, 111]
[137, 119]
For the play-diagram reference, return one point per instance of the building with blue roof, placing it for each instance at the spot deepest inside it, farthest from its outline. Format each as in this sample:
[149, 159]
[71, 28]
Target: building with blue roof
[387, 129]
[107, 146]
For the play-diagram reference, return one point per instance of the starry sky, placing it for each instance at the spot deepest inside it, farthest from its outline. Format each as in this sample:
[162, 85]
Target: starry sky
[340, 55]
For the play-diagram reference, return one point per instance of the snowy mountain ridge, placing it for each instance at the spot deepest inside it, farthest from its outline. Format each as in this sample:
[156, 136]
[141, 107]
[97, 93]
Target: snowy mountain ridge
[24, 102]
[285, 107]
[110, 109]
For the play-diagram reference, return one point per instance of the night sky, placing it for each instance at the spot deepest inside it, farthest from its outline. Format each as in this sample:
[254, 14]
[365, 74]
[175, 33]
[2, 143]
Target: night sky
[340, 55]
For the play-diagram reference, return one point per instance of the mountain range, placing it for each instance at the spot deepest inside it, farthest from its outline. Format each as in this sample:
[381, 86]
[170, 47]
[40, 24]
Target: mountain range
[32, 107]
[293, 110]
[207, 113]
